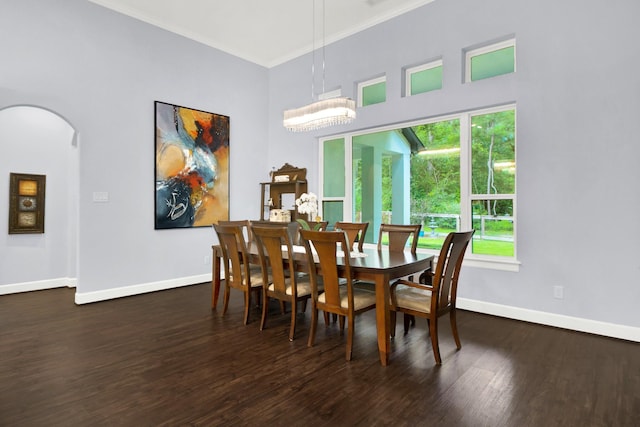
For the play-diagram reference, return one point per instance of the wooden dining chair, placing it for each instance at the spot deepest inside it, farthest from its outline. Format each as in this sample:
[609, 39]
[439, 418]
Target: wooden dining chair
[244, 224]
[398, 236]
[285, 284]
[345, 301]
[238, 273]
[436, 299]
[356, 232]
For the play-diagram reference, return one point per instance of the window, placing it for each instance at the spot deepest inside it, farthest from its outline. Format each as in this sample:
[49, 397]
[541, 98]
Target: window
[493, 183]
[333, 184]
[450, 173]
[423, 78]
[372, 91]
[490, 61]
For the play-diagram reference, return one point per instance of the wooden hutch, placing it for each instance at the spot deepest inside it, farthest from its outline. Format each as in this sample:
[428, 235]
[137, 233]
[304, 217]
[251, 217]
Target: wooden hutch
[288, 181]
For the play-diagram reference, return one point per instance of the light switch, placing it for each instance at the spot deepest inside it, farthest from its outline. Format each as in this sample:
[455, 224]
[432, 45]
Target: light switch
[100, 196]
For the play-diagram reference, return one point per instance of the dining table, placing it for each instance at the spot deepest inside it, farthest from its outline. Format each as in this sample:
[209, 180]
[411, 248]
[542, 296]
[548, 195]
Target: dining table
[371, 265]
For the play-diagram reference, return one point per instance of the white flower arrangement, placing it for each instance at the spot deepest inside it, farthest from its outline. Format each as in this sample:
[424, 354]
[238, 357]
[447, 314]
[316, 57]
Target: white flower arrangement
[307, 204]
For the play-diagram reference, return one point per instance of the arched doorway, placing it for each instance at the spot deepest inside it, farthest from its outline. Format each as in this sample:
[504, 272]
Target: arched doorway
[35, 140]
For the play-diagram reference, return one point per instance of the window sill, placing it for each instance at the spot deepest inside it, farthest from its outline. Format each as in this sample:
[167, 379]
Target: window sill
[479, 261]
[476, 261]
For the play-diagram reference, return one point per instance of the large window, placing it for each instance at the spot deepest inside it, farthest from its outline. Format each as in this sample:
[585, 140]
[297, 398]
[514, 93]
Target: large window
[493, 182]
[449, 174]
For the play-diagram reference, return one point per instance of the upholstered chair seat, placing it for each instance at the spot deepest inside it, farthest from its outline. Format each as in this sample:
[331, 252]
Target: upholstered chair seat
[303, 286]
[361, 298]
[413, 298]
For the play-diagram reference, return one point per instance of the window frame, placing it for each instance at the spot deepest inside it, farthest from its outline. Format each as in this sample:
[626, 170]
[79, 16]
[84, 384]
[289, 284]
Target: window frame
[418, 68]
[471, 53]
[466, 196]
[364, 84]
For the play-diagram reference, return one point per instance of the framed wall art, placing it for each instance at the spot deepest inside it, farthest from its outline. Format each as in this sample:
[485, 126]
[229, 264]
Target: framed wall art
[191, 167]
[26, 203]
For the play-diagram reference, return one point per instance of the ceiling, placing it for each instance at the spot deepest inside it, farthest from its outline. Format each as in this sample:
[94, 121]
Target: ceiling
[266, 32]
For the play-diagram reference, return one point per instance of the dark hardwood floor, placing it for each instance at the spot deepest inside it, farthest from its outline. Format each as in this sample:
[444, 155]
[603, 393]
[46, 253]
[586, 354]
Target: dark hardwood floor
[165, 359]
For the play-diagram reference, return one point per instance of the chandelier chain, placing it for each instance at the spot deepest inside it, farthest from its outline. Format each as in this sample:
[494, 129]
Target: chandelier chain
[313, 51]
[323, 43]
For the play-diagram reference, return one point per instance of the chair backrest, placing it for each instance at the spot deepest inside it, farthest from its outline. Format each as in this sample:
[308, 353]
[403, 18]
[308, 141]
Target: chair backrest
[295, 227]
[269, 243]
[325, 245]
[356, 232]
[234, 254]
[445, 279]
[244, 224]
[399, 236]
[291, 226]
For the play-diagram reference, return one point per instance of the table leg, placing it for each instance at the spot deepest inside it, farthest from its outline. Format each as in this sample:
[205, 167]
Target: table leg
[215, 278]
[382, 317]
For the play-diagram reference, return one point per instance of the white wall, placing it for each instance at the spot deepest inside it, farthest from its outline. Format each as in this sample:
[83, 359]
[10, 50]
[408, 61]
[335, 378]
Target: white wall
[578, 99]
[102, 72]
[36, 141]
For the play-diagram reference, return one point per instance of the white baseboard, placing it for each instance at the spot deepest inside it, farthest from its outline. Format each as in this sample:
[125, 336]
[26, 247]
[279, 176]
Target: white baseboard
[612, 330]
[126, 291]
[550, 319]
[39, 285]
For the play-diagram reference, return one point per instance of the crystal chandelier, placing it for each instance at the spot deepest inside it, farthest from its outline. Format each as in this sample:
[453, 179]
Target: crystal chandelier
[320, 114]
[325, 112]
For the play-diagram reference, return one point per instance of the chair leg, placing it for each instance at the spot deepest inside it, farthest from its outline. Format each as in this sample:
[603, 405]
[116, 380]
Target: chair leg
[349, 335]
[303, 309]
[326, 318]
[258, 292]
[407, 320]
[433, 331]
[413, 320]
[341, 319]
[283, 308]
[226, 300]
[292, 329]
[314, 324]
[247, 306]
[454, 327]
[392, 323]
[265, 309]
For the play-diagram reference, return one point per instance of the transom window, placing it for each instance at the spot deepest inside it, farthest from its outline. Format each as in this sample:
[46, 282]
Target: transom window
[372, 91]
[490, 61]
[423, 78]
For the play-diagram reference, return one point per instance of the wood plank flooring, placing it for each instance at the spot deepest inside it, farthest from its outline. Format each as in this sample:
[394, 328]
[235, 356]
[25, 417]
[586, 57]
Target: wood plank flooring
[165, 359]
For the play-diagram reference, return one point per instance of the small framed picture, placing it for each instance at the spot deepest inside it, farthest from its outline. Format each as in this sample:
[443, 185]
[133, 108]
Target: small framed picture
[26, 203]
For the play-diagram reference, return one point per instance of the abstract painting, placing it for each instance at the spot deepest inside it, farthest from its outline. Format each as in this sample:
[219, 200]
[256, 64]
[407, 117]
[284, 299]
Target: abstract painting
[192, 167]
